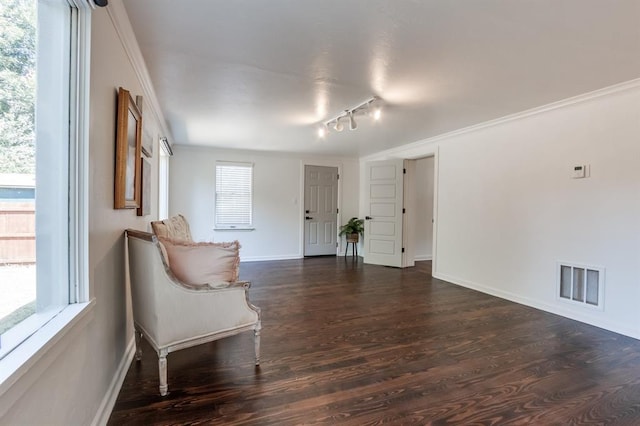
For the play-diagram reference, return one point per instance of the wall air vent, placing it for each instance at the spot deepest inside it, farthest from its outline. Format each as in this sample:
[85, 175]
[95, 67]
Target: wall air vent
[581, 284]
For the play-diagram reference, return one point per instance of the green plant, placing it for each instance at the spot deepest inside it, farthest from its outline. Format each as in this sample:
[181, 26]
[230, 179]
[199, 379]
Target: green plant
[354, 226]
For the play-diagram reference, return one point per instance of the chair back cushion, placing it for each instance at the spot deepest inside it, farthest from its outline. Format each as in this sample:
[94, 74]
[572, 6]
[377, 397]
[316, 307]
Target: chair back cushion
[203, 263]
[175, 228]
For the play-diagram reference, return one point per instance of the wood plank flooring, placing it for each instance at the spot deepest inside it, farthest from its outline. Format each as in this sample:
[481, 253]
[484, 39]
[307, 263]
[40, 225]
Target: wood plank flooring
[353, 344]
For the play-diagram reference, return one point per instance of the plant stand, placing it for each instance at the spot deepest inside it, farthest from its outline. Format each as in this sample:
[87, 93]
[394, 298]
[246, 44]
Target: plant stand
[353, 240]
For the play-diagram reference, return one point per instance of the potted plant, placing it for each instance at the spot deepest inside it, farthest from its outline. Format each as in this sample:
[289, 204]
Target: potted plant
[352, 229]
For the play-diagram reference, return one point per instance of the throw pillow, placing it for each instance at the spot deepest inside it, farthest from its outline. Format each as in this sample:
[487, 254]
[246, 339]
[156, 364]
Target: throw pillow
[203, 263]
[175, 227]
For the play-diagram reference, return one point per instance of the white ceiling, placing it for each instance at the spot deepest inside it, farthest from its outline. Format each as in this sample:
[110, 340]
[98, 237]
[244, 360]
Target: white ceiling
[259, 75]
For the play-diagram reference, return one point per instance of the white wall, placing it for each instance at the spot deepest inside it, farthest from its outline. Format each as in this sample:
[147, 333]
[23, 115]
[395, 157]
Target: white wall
[75, 381]
[277, 198]
[507, 209]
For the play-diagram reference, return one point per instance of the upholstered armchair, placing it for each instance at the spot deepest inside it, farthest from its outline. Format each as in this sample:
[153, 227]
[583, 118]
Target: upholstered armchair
[174, 314]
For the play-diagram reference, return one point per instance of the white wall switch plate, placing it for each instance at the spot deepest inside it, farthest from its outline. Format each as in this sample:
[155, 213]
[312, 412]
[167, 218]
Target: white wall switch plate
[579, 171]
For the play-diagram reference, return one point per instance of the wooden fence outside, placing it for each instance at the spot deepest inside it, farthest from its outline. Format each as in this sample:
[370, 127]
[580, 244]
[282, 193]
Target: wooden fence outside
[17, 232]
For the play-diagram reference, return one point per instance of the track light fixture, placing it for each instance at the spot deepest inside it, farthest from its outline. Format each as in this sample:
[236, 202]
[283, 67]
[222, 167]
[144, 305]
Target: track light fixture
[352, 122]
[369, 107]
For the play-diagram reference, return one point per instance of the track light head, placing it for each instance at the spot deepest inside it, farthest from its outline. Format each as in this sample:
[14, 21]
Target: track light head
[338, 126]
[352, 122]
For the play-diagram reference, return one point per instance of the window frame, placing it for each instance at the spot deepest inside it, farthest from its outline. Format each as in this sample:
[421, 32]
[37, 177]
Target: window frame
[163, 181]
[48, 327]
[230, 225]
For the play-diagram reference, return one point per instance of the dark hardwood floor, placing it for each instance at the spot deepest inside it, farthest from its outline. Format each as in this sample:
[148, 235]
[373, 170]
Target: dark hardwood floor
[347, 343]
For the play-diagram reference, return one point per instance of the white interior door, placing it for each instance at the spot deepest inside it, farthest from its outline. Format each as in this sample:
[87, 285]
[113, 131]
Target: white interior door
[383, 222]
[321, 210]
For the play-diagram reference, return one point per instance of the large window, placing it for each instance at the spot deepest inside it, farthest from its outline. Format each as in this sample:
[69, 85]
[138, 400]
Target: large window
[17, 164]
[43, 89]
[234, 182]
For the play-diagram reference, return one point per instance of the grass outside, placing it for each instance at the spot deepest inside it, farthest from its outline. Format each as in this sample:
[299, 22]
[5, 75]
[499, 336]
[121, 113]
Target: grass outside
[17, 294]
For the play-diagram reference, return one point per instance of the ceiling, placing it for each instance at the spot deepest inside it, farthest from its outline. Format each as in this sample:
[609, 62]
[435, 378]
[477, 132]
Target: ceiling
[261, 75]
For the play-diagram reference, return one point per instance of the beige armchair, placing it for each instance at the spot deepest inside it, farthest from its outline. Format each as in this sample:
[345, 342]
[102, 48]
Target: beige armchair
[172, 314]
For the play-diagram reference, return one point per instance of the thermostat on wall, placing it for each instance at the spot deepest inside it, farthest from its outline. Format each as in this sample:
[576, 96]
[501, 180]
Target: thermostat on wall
[579, 171]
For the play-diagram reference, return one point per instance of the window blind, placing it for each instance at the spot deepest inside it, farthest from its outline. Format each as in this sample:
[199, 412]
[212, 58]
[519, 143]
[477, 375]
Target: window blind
[234, 183]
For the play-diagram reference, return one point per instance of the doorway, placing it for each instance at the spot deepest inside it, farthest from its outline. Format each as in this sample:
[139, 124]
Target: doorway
[419, 201]
[320, 210]
[400, 211]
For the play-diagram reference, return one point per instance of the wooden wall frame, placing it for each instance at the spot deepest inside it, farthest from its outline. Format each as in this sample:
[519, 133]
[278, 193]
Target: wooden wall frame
[128, 148]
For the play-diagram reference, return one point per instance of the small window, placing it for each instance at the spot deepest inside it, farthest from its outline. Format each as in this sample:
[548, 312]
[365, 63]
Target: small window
[234, 195]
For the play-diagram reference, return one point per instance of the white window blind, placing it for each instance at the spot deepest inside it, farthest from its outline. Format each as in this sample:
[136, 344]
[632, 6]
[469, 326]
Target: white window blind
[234, 183]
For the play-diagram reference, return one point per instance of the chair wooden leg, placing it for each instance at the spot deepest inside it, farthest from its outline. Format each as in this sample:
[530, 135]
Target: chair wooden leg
[256, 334]
[138, 337]
[162, 367]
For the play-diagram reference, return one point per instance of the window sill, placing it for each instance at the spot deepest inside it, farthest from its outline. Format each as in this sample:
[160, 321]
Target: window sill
[235, 229]
[15, 364]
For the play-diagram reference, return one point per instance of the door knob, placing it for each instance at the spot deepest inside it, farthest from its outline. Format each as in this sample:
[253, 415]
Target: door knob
[368, 217]
[308, 218]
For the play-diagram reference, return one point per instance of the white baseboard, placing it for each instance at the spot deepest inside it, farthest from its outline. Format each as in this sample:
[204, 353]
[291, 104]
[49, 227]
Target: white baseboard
[543, 306]
[109, 400]
[422, 258]
[287, 257]
[267, 258]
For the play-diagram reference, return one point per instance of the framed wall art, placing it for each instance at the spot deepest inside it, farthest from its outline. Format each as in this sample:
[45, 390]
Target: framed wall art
[128, 147]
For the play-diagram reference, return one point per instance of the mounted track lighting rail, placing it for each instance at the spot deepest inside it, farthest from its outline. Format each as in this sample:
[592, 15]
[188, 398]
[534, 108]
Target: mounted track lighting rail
[371, 107]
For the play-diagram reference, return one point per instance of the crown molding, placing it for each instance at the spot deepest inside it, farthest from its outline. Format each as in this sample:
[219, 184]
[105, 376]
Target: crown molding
[123, 27]
[401, 151]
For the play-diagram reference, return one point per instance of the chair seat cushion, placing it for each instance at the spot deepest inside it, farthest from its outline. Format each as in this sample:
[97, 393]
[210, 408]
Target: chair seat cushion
[203, 263]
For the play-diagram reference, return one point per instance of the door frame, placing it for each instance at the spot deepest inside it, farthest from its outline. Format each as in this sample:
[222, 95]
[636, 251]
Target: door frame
[410, 184]
[432, 151]
[323, 163]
